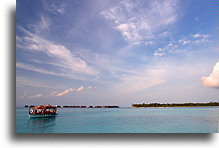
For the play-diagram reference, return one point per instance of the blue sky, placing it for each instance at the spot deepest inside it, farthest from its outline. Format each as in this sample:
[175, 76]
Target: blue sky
[108, 52]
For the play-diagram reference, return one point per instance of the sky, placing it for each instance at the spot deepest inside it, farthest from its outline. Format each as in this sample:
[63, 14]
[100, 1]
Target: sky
[116, 52]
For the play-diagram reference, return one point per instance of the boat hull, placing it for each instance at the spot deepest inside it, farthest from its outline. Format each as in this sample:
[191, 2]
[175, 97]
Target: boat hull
[41, 115]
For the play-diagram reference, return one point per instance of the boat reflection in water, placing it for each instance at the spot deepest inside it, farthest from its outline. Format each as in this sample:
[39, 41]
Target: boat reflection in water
[42, 125]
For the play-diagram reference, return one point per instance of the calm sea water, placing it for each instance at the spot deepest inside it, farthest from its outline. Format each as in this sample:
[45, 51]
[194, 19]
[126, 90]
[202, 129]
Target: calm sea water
[122, 120]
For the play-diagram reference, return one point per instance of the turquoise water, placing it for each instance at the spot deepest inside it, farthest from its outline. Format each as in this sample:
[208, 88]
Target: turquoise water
[122, 120]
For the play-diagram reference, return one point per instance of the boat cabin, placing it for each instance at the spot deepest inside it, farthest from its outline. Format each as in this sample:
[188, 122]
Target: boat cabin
[43, 110]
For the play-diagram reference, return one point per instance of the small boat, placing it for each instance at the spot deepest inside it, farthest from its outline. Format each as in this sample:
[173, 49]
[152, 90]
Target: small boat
[42, 111]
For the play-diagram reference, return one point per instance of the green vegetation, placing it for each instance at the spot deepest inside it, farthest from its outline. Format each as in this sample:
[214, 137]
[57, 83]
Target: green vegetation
[177, 104]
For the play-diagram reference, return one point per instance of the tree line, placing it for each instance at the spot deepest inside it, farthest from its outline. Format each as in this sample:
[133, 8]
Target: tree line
[177, 104]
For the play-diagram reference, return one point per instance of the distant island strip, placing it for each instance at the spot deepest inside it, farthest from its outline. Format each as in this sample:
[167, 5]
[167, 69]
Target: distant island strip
[210, 104]
[73, 106]
[143, 105]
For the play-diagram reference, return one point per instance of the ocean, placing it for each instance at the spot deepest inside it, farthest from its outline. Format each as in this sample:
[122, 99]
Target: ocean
[122, 120]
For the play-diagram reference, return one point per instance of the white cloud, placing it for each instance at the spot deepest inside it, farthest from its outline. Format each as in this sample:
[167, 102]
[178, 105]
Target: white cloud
[90, 87]
[159, 53]
[172, 47]
[196, 39]
[203, 40]
[65, 92]
[213, 79]
[138, 21]
[198, 35]
[44, 23]
[164, 34]
[40, 95]
[36, 96]
[56, 8]
[159, 75]
[149, 42]
[59, 56]
[182, 45]
[80, 89]
[184, 42]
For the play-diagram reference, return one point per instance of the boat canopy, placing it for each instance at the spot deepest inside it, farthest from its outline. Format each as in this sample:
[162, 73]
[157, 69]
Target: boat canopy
[43, 109]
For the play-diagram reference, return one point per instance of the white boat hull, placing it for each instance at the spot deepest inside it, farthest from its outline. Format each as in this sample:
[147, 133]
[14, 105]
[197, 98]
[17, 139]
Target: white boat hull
[41, 116]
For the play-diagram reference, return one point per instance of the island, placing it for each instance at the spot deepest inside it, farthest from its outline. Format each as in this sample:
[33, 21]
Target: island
[83, 106]
[143, 105]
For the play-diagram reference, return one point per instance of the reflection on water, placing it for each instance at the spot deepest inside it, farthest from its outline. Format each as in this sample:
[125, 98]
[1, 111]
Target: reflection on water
[42, 125]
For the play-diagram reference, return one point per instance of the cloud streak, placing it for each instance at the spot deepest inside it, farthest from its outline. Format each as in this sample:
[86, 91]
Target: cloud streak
[80, 89]
[63, 93]
[36, 69]
[90, 87]
[199, 35]
[213, 79]
[68, 63]
[197, 38]
[44, 23]
[36, 96]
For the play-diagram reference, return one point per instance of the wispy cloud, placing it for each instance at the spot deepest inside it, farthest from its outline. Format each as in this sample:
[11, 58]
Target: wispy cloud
[36, 69]
[53, 94]
[90, 87]
[65, 92]
[213, 79]
[24, 95]
[199, 35]
[138, 21]
[149, 42]
[171, 47]
[143, 80]
[36, 96]
[69, 63]
[80, 89]
[182, 45]
[44, 23]
[164, 34]
[159, 53]
[56, 8]
[196, 39]
[30, 83]
[18, 39]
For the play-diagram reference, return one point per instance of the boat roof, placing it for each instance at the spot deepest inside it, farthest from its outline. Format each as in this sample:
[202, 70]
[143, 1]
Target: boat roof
[45, 106]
